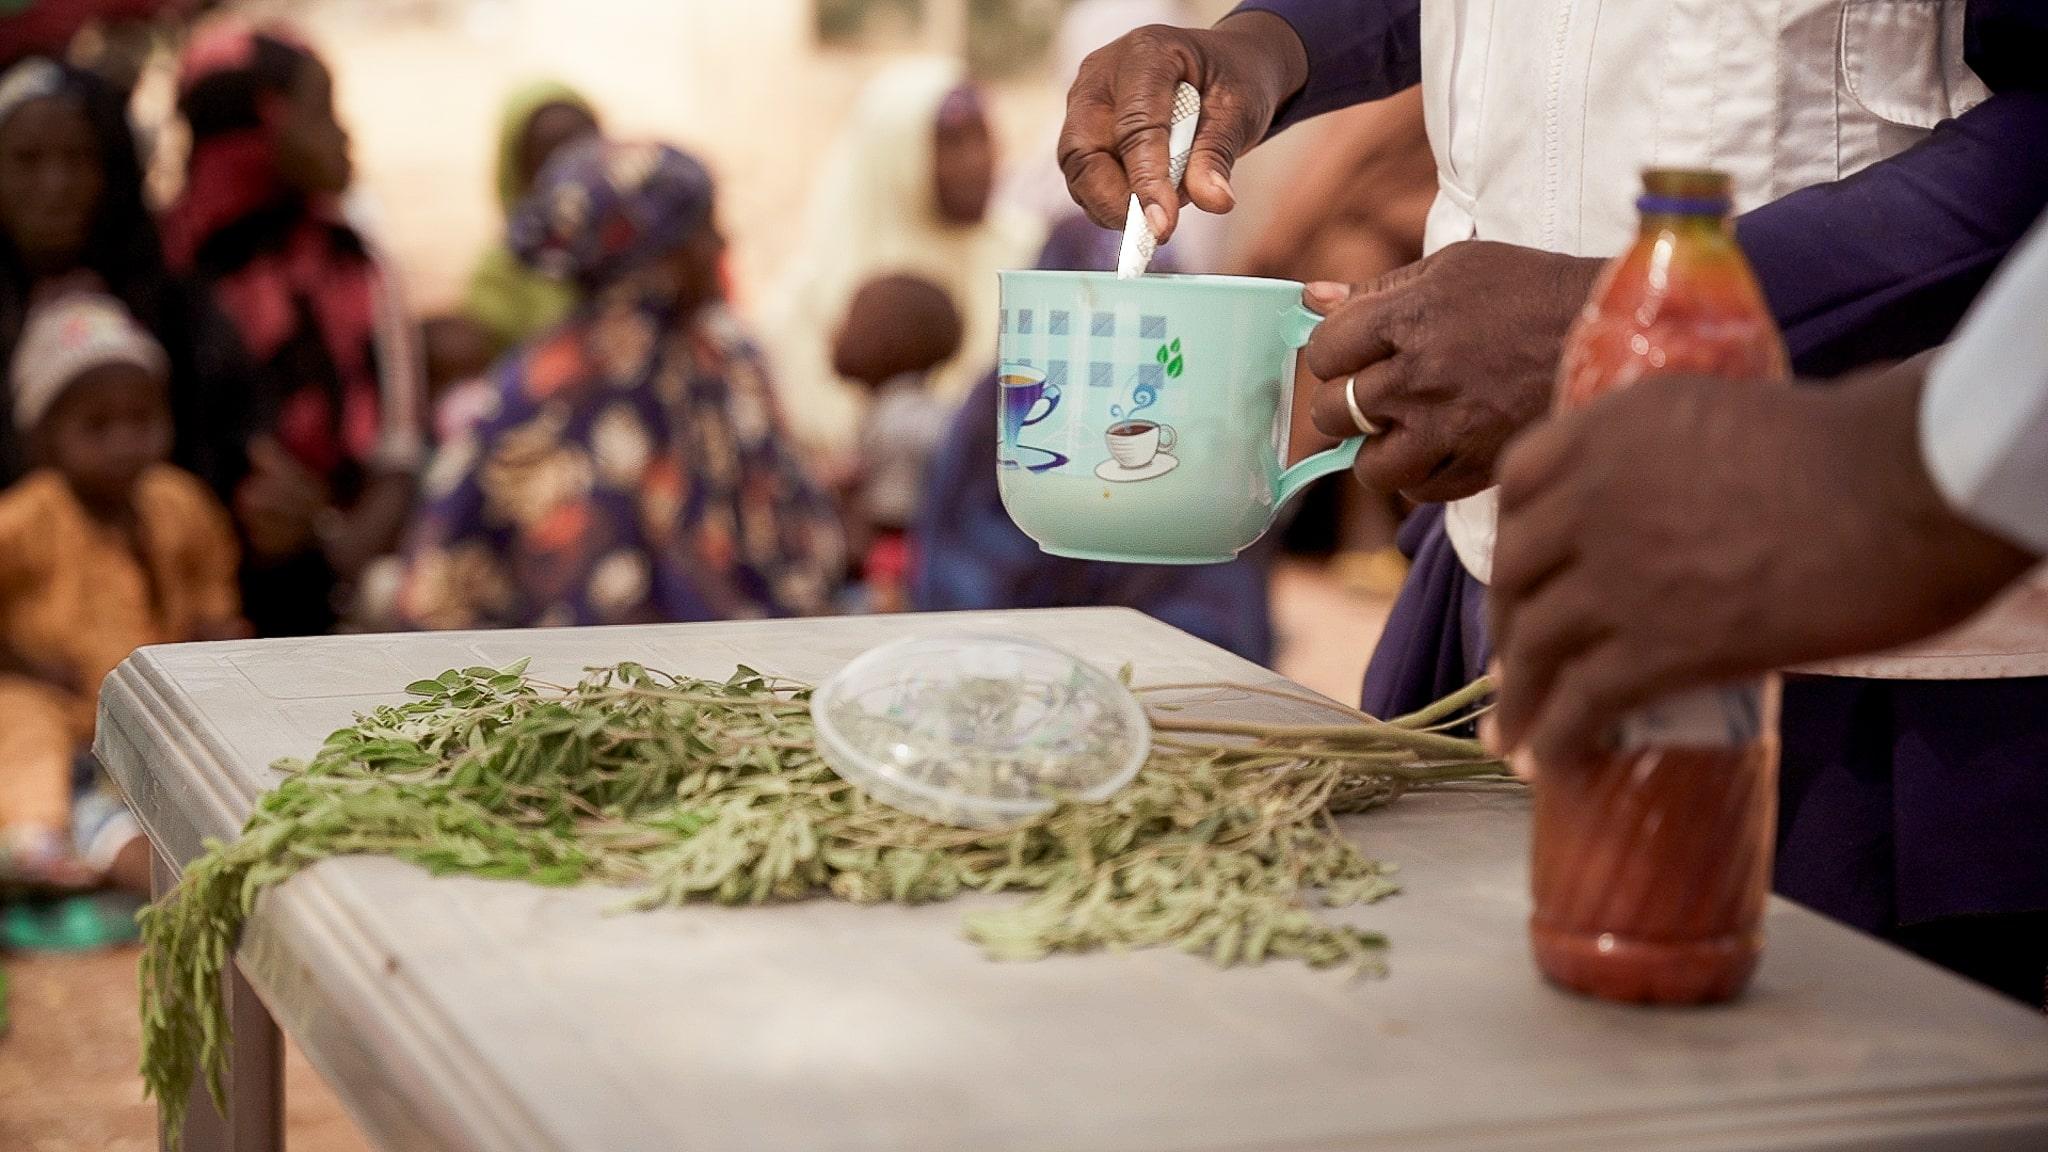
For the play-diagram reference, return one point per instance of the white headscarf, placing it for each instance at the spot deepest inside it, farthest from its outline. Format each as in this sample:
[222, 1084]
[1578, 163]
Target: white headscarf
[68, 337]
[33, 79]
[874, 211]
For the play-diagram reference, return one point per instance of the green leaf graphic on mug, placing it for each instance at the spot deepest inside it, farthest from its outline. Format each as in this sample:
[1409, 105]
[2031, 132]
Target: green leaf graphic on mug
[1161, 354]
[1175, 347]
[1173, 369]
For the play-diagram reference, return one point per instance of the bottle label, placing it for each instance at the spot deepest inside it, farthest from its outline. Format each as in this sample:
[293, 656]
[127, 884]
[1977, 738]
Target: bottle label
[1725, 716]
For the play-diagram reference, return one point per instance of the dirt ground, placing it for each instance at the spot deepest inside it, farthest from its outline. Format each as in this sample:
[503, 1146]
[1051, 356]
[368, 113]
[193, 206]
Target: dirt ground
[68, 1080]
[67, 1070]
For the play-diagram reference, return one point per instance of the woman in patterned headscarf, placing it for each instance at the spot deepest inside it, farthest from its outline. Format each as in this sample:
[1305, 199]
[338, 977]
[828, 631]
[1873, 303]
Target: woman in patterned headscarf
[634, 467]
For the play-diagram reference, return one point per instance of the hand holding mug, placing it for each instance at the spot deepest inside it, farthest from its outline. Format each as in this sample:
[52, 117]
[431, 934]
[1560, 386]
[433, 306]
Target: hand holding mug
[1447, 359]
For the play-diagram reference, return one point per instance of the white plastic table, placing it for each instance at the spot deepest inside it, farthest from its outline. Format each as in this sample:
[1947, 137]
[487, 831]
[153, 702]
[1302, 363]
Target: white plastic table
[495, 1017]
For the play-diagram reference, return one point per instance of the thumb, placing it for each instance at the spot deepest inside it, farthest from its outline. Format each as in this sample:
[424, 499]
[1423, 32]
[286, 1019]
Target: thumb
[1226, 131]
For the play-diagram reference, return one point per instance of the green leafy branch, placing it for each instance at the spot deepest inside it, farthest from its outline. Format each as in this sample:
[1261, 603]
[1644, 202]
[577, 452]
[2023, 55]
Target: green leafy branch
[688, 790]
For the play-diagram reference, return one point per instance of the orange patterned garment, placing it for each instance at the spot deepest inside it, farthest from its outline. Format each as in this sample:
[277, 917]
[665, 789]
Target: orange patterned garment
[76, 595]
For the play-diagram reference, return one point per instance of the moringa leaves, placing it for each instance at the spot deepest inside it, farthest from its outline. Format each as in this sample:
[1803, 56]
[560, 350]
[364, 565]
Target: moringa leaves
[692, 791]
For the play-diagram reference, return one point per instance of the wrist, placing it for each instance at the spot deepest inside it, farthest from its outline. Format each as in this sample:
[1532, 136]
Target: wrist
[1277, 59]
[1970, 563]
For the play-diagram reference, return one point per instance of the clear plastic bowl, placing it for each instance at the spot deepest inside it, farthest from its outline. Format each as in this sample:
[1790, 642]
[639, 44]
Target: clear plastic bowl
[979, 731]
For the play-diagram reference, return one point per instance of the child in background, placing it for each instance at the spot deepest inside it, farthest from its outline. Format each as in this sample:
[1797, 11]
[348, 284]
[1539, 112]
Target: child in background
[897, 330]
[459, 355]
[104, 548]
[460, 393]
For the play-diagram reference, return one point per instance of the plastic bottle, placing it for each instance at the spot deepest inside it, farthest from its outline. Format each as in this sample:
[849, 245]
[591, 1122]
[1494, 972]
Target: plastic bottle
[1652, 859]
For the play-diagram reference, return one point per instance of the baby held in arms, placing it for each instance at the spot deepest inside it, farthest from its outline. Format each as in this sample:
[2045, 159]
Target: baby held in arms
[104, 548]
[897, 330]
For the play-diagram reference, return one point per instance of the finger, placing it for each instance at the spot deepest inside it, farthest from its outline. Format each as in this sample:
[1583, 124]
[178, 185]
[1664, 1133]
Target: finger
[1533, 539]
[1533, 460]
[1410, 450]
[1548, 633]
[1324, 296]
[1087, 151]
[1142, 102]
[1404, 457]
[1226, 131]
[1331, 411]
[1358, 333]
[1589, 696]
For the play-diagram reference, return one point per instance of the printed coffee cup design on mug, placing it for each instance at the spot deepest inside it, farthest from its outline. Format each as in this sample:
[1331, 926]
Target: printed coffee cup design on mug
[1139, 450]
[1027, 399]
[1169, 445]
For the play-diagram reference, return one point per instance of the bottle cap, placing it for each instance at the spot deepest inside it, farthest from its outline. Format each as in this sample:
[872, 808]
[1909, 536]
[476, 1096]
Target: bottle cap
[1685, 192]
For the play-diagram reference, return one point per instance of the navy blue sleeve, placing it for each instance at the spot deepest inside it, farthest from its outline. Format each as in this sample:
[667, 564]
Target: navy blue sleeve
[1883, 264]
[1358, 51]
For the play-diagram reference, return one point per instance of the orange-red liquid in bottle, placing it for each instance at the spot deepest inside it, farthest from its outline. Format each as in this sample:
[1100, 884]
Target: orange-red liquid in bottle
[1652, 859]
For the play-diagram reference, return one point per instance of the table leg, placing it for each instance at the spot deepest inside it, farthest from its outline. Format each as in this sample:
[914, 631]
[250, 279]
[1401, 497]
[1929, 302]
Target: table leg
[255, 1119]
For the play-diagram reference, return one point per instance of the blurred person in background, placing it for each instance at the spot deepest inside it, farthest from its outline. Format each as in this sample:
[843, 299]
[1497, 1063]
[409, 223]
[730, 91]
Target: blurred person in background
[458, 354]
[1352, 211]
[72, 214]
[632, 467]
[897, 330]
[969, 555]
[907, 187]
[49, 27]
[104, 548]
[334, 417]
[512, 302]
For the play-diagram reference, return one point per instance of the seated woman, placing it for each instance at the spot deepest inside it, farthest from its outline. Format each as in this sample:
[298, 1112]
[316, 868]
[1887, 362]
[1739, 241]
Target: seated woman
[508, 300]
[72, 216]
[969, 554]
[334, 418]
[634, 468]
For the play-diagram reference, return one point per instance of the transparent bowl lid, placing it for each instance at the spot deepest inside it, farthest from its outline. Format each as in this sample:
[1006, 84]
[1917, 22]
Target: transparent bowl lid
[979, 731]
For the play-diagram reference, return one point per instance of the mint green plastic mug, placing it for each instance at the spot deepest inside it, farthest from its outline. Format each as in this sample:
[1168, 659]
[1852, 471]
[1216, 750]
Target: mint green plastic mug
[1145, 421]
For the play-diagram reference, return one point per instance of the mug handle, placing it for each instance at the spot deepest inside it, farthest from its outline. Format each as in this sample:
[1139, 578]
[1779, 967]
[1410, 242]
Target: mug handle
[1314, 468]
[1051, 400]
[1167, 437]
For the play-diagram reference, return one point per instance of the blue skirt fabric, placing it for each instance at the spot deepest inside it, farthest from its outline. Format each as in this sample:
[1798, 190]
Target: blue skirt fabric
[1902, 802]
[1908, 801]
[1435, 639]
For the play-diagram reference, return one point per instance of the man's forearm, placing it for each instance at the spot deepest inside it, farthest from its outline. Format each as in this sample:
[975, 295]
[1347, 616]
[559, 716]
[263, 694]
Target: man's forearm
[1984, 411]
[1358, 50]
[1882, 264]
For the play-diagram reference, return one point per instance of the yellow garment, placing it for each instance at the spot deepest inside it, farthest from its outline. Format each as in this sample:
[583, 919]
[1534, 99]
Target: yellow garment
[512, 302]
[874, 211]
[73, 595]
